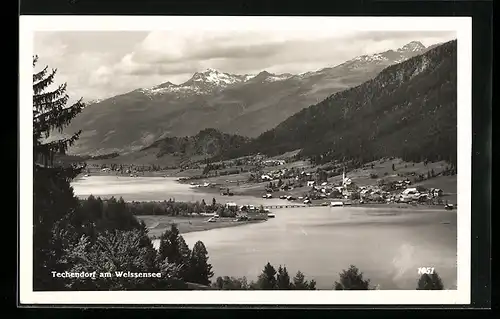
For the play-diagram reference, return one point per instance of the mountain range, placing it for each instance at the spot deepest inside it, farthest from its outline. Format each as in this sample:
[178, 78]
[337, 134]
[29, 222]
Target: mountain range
[245, 105]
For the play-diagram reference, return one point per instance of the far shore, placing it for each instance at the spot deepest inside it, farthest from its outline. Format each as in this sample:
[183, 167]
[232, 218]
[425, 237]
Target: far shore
[255, 190]
[257, 193]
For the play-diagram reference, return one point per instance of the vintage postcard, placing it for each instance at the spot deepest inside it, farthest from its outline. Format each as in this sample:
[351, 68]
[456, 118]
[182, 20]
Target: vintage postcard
[245, 160]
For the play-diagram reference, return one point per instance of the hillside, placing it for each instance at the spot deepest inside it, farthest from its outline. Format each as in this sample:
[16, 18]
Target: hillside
[207, 143]
[173, 151]
[409, 110]
[246, 105]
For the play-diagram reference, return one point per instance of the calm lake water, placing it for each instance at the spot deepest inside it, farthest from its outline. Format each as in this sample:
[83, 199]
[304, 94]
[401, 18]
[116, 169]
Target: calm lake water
[387, 245]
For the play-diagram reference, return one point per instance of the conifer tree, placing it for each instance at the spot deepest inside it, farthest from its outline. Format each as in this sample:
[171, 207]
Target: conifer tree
[54, 203]
[299, 282]
[352, 279]
[50, 112]
[184, 257]
[200, 271]
[174, 250]
[283, 279]
[169, 245]
[430, 282]
[311, 285]
[267, 279]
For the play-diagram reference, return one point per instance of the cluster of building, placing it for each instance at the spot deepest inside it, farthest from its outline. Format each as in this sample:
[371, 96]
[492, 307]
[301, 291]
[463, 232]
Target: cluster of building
[399, 192]
[403, 184]
[286, 173]
[273, 162]
[408, 194]
[277, 174]
[248, 212]
[412, 194]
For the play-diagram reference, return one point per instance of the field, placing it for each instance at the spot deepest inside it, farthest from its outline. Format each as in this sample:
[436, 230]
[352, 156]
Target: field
[382, 169]
[157, 225]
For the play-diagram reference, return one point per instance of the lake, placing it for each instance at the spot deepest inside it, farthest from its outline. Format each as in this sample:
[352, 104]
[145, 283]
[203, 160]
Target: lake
[386, 244]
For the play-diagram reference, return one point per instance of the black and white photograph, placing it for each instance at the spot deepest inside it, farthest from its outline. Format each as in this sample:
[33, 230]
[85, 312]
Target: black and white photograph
[188, 159]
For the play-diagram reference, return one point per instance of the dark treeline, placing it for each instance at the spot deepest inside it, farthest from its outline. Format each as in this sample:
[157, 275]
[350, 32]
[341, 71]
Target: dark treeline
[118, 207]
[279, 279]
[104, 237]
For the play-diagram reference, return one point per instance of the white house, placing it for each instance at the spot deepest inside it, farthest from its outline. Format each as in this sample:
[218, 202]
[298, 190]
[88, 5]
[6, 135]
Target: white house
[409, 191]
[410, 194]
[437, 192]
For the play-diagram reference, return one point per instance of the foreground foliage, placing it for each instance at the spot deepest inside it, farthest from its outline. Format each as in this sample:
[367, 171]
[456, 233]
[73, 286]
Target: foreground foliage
[120, 210]
[352, 279]
[71, 237]
[430, 282]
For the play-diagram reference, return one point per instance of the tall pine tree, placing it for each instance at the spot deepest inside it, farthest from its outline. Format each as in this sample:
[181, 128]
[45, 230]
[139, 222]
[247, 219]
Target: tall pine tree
[50, 113]
[200, 271]
[299, 282]
[352, 279]
[169, 245]
[267, 280]
[430, 282]
[174, 250]
[54, 203]
[283, 278]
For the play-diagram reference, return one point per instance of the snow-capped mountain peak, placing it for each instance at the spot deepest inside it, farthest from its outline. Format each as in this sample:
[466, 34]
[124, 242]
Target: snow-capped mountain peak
[370, 58]
[212, 77]
[212, 80]
[388, 57]
[202, 82]
[413, 46]
[165, 85]
[266, 76]
[247, 77]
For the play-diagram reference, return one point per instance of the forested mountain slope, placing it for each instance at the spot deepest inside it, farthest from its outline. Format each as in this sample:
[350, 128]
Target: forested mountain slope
[408, 110]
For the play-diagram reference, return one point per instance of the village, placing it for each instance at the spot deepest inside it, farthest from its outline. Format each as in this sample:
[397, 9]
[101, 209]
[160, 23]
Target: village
[385, 181]
[317, 186]
[345, 192]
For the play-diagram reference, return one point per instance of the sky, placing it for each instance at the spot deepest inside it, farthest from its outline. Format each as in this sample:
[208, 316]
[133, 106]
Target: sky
[101, 64]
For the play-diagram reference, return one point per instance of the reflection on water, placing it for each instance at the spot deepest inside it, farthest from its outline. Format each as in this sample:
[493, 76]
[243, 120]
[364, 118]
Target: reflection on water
[387, 245]
[157, 189]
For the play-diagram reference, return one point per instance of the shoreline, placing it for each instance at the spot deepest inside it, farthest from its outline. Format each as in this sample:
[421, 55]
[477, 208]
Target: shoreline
[158, 224]
[253, 191]
[317, 203]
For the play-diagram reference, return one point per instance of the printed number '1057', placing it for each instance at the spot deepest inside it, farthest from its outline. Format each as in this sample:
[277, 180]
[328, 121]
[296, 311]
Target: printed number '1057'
[425, 270]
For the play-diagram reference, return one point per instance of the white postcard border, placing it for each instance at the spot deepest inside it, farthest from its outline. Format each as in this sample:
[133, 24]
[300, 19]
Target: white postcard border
[463, 27]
